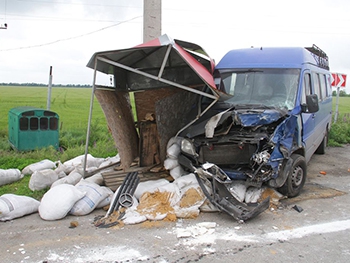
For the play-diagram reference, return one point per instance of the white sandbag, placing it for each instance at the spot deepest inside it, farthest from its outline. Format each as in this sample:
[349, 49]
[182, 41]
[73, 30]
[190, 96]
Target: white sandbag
[9, 176]
[79, 161]
[177, 172]
[41, 179]
[96, 178]
[132, 217]
[44, 164]
[173, 151]
[109, 161]
[58, 201]
[61, 167]
[173, 140]
[187, 212]
[170, 163]
[73, 178]
[149, 186]
[192, 197]
[186, 180]
[94, 194]
[238, 190]
[108, 199]
[14, 206]
[253, 194]
[173, 190]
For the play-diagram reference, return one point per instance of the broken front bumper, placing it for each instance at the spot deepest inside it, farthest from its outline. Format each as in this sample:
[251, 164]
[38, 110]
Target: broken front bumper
[213, 182]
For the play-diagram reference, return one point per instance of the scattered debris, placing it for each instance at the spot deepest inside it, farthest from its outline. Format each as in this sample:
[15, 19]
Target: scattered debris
[73, 224]
[298, 208]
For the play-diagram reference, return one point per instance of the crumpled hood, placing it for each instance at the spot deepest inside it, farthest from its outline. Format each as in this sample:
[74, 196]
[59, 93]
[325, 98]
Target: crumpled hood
[245, 118]
[253, 118]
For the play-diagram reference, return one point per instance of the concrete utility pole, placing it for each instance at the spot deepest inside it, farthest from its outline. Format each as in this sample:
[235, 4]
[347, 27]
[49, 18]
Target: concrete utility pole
[152, 19]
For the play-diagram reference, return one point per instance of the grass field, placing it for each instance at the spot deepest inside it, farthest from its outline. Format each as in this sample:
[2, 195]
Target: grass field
[71, 104]
[344, 106]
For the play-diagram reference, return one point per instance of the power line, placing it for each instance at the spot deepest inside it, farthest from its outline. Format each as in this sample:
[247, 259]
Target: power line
[70, 38]
[76, 3]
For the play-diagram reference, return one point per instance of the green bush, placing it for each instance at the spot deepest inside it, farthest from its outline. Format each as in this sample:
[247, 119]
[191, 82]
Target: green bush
[339, 134]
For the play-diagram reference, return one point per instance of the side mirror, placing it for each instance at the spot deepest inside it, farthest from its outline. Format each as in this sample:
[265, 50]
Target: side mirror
[311, 105]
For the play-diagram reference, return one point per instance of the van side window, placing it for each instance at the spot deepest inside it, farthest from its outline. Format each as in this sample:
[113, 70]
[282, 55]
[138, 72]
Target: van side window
[306, 87]
[317, 87]
[323, 85]
[328, 83]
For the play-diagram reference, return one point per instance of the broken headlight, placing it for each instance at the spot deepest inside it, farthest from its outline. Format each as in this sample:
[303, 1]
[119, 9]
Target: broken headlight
[188, 147]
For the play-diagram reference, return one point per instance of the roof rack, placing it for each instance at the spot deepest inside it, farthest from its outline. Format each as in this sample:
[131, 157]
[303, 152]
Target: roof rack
[320, 56]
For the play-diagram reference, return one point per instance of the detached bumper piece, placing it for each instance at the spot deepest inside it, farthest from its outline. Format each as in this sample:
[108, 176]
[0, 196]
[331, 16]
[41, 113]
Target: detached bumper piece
[226, 202]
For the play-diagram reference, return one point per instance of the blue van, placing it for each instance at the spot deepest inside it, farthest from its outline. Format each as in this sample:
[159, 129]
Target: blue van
[279, 114]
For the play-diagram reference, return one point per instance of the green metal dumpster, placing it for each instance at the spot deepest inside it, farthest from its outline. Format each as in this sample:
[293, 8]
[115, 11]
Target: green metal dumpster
[31, 128]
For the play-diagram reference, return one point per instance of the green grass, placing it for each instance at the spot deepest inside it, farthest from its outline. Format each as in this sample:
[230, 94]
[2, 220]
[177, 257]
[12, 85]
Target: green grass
[72, 105]
[344, 105]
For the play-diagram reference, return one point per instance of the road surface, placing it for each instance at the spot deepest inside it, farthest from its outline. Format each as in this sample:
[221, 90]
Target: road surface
[318, 233]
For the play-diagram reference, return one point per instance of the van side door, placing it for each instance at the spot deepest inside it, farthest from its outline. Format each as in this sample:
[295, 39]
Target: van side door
[308, 119]
[324, 115]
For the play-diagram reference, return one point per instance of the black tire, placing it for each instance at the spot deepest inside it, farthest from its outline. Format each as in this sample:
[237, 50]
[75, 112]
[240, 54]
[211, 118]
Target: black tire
[322, 147]
[296, 178]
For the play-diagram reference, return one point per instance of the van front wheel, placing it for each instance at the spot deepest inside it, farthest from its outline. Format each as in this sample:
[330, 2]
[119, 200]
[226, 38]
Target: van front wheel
[296, 177]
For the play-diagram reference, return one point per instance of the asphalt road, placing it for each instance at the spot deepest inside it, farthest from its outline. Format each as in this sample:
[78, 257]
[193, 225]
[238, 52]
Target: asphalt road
[319, 233]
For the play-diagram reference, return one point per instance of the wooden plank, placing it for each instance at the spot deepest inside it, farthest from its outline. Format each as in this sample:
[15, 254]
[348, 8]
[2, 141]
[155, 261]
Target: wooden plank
[149, 143]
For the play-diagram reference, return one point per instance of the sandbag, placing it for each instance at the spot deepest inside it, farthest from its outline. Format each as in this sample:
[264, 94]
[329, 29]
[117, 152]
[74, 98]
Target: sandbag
[13, 206]
[44, 164]
[108, 199]
[58, 201]
[96, 178]
[79, 161]
[94, 194]
[9, 176]
[109, 161]
[41, 179]
[73, 178]
[149, 186]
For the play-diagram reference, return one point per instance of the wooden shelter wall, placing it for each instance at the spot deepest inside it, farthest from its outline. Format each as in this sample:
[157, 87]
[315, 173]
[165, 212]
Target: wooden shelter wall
[171, 116]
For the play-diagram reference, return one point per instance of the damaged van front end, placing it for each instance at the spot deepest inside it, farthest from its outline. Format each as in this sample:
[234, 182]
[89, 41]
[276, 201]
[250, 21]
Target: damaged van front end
[266, 132]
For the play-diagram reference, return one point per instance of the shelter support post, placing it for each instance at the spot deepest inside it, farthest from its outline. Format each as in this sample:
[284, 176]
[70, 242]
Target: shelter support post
[89, 120]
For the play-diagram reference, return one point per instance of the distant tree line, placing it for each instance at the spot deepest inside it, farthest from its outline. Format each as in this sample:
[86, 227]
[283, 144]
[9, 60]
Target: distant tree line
[45, 85]
[342, 93]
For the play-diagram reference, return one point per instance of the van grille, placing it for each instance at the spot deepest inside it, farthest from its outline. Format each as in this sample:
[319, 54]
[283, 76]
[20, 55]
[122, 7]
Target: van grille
[225, 154]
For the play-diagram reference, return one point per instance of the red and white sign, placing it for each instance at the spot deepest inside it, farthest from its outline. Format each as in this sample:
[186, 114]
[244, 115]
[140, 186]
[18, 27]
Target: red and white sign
[338, 80]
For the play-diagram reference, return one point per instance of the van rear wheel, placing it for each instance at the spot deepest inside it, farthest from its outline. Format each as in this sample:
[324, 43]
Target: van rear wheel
[296, 177]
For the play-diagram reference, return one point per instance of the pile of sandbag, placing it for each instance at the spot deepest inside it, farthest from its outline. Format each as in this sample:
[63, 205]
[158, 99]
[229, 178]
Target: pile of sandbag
[161, 199]
[69, 193]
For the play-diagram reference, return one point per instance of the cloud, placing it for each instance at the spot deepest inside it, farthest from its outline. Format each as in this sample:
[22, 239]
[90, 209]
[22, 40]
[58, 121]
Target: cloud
[66, 33]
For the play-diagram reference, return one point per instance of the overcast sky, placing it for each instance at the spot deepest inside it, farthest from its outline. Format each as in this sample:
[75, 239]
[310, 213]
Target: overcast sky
[65, 34]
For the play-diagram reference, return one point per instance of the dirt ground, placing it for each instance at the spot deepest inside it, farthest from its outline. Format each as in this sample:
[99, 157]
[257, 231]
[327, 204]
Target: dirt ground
[318, 233]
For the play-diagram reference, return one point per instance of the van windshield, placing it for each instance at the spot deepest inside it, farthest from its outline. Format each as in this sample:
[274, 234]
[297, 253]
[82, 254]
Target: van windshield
[269, 87]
